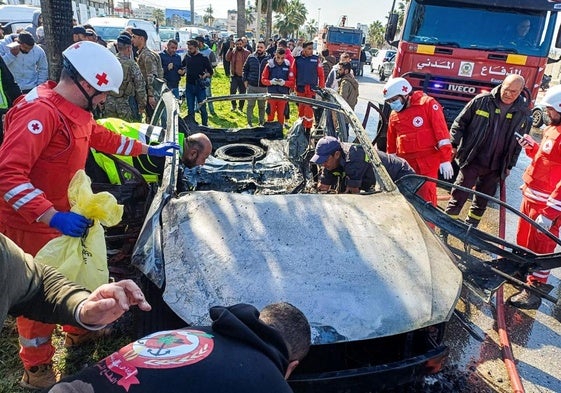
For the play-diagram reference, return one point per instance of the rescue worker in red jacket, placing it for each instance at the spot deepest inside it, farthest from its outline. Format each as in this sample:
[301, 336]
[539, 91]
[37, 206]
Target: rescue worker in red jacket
[48, 133]
[279, 79]
[417, 132]
[308, 73]
[541, 197]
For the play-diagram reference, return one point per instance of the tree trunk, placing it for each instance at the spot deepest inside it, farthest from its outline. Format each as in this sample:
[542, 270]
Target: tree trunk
[242, 24]
[192, 12]
[57, 22]
[269, 32]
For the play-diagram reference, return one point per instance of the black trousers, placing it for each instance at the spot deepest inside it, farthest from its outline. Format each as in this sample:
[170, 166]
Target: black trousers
[237, 86]
[485, 180]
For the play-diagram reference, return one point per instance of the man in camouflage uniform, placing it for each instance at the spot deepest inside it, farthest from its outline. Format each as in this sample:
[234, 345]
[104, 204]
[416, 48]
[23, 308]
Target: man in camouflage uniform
[118, 105]
[151, 67]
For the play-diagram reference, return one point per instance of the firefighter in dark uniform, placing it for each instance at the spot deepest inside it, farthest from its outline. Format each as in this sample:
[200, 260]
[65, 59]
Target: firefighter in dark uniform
[346, 167]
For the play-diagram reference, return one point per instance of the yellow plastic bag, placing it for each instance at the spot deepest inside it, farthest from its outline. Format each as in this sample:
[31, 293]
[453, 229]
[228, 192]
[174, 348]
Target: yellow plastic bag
[84, 260]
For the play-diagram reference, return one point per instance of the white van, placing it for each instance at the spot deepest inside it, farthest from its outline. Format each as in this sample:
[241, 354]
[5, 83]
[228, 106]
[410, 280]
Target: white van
[109, 29]
[16, 17]
[17, 13]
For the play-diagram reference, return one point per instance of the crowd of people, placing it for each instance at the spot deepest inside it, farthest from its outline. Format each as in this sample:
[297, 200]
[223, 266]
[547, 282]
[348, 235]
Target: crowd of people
[48, 130]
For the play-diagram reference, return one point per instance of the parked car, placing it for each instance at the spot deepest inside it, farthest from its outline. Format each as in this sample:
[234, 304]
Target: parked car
[375, 282]
[386, 68]
[378, 60]
[16, 17]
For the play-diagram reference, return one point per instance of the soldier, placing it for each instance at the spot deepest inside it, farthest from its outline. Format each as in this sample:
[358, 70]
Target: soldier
[133, 86]
[150, 65]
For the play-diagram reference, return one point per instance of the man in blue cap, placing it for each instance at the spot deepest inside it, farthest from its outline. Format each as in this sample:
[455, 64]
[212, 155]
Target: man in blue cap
[78, 33]
[346, 168]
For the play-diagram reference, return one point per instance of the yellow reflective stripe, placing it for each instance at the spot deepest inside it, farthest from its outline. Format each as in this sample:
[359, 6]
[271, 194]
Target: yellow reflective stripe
[481, 112]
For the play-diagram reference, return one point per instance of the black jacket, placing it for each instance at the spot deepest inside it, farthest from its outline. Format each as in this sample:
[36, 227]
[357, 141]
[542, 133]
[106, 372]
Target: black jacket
[195, 66]
[474, 123]
[253, 68]
[238, 354]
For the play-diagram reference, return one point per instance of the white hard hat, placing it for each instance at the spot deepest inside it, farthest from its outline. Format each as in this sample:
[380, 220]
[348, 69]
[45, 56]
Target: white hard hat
[96, 64]
[396, 87]
[553, 98]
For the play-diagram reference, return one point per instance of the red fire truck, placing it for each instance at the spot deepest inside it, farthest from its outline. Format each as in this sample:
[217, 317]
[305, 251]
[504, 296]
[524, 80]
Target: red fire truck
[455, 50]
[340, 39]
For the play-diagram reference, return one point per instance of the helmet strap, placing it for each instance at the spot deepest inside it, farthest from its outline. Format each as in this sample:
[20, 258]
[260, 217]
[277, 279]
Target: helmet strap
[76, 79]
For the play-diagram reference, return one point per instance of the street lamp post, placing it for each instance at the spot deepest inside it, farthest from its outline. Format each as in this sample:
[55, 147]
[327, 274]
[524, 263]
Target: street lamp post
[319, 24]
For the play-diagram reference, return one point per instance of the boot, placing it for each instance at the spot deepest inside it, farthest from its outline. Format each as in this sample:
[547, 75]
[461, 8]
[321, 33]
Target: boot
[75, 340]
[38, 377]
[528, 300]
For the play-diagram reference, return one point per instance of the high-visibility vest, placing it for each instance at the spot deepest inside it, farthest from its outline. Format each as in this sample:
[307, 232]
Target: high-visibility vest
[149, 167]
[3, 98]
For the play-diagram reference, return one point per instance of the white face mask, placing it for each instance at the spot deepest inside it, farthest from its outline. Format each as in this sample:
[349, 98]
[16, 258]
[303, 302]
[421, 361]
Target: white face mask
[396, 105]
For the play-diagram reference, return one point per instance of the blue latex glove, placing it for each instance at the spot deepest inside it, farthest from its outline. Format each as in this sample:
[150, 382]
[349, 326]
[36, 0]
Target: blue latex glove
[70, 224]
[163, 149]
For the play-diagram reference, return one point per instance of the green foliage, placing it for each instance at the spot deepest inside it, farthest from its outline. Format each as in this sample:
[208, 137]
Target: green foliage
[159, 16]
[376, 34]
[289, 22]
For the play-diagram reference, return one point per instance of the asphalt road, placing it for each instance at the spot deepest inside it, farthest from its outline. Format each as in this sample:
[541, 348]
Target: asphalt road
[475, 362]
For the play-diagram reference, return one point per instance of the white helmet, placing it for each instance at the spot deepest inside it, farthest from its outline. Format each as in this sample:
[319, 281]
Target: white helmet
[553, 98]
[96, 64]
[396, 87]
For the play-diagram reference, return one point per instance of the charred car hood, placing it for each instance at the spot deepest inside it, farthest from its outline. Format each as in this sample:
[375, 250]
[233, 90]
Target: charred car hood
[354, 264]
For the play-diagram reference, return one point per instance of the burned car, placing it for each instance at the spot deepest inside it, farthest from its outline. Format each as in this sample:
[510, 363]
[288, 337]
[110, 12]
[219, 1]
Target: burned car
[375, 282]
[373, 279]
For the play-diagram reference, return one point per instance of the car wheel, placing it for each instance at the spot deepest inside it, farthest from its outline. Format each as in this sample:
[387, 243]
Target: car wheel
[537, 117]
[239, 152]
[382, 76]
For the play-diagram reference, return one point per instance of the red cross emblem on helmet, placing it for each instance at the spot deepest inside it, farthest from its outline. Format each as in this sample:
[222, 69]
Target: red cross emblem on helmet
[101, 79]
[385, 92]
[404, 89]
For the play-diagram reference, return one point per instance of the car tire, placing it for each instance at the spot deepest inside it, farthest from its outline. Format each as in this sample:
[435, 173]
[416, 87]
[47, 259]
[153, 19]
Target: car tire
[537, 117]
[382, 76]
[239, 152]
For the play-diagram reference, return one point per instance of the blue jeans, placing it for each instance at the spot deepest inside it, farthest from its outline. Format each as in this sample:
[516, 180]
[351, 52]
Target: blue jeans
[193, 94]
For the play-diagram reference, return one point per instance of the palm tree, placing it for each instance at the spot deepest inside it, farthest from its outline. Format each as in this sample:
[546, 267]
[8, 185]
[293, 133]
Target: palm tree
[57, 20]
[159, 16]
[268, 7]
[293, 17]
[311, 28]
[242, 24]
[250, 14]
[376, 34]
[208, 18]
